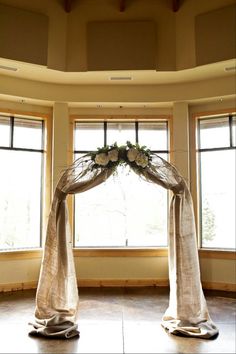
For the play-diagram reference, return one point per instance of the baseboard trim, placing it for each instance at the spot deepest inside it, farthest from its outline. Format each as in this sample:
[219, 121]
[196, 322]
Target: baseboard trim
[219, 286]
[18, 286]
[95, 283]
[122, 282]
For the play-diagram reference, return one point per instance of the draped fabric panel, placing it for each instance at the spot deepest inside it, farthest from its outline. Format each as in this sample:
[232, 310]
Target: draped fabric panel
[57, 294]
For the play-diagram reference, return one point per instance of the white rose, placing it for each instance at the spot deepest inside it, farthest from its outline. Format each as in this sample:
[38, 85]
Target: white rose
[102, 159]
[141, 160]
[113, 155]
[132, 154]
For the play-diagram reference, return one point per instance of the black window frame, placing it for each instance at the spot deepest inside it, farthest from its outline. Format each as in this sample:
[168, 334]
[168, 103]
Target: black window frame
[202, 150]
[136, 127]
[42, 151]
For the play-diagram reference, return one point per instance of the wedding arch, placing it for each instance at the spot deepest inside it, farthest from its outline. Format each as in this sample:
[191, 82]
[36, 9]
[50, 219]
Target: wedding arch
[57, 293]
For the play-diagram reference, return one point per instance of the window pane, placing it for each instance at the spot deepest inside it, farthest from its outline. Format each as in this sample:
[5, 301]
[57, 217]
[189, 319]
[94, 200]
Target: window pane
[88, 136]
[124, 211]
[146, 205]
[218, 199]
[27, 133]
[214, 133]
[20, 193]
[120, 133]
[4, 131]
[234, 130]
[153, 135]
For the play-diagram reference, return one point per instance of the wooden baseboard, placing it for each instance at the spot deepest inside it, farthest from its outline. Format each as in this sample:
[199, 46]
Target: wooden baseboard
[18, 286]
[94, 283]
[219, 286]
[122, 282]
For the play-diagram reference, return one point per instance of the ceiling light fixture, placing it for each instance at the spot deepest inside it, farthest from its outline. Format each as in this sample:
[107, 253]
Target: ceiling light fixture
[121, 78]
[4, 67]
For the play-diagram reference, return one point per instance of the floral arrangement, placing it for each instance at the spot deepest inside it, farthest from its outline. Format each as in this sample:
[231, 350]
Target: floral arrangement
[113, 155]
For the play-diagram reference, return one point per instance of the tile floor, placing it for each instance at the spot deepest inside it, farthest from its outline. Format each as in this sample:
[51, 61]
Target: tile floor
[116, 320]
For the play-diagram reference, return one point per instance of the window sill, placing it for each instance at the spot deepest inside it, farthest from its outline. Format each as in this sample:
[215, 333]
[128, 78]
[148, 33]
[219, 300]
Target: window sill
[147, 252]
[217, 254]
[121, 252]
[21, 254]
[116, 252]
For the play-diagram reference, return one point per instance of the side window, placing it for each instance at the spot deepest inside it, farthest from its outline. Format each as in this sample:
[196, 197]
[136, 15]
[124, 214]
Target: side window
[125, 211]
[21, 182]
[217, 166]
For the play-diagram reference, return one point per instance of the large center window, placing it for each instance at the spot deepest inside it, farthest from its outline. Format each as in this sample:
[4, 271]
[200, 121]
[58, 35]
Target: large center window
[125, 211]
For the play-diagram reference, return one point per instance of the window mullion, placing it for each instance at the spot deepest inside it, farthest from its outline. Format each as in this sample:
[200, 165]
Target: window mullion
[11, 131]
[105, 133]
[136, 132]
[230, 130]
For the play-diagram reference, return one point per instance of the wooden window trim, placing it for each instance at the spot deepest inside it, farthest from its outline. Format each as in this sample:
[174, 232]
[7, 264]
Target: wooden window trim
[21, 254]
[121, 252]
[142, 252]
[116, 252]
[216, 254]
[47, 190]
[151, 252]
[194, 185]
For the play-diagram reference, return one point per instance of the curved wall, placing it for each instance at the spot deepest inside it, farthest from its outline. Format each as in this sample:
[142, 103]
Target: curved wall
[183, 39]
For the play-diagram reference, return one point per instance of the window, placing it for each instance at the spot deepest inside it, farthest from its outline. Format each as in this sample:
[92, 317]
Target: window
[125, 211]
[216, 149]
[22, 161]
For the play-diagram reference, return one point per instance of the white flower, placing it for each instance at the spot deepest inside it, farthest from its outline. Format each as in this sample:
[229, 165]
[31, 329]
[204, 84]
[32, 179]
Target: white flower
[141, 160]
[132, 154]
[113, 155]
[102, 159]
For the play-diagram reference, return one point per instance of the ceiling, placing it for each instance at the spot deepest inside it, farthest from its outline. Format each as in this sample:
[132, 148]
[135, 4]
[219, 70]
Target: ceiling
[138, 77]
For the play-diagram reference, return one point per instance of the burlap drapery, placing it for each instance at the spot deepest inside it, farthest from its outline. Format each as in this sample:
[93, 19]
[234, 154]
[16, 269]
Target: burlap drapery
[57, 293]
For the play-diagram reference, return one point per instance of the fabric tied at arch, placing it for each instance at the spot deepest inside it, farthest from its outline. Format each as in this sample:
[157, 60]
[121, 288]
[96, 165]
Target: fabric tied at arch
[57, 294]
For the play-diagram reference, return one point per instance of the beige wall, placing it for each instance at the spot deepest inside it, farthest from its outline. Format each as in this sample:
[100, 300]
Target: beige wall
[26, 271]
[60, 140]
[213, 31]
[185, 91]
[64, 45]
[88, 11]
[67, 51]
[24, 35]
[218, 272]
[185, 29]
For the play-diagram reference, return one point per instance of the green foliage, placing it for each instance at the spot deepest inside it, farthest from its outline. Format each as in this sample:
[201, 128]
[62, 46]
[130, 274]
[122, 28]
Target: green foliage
[208, 222]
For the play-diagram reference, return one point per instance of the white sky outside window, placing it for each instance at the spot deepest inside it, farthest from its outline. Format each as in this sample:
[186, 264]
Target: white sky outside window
[125, 210]
[217, 186]
[20, 189]
[218, 196]
[27, 134]
[234, 130]
[92, 130]
[214, 133]
[120, 133]
[4, 131]
[153, 135]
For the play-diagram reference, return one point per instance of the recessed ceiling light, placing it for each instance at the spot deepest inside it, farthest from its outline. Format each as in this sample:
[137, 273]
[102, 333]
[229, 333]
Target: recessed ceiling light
[230, 68]
[4, 67]
[121, 78]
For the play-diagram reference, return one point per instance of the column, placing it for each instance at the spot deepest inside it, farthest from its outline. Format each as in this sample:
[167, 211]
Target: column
[180, 145]
[60, 140]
